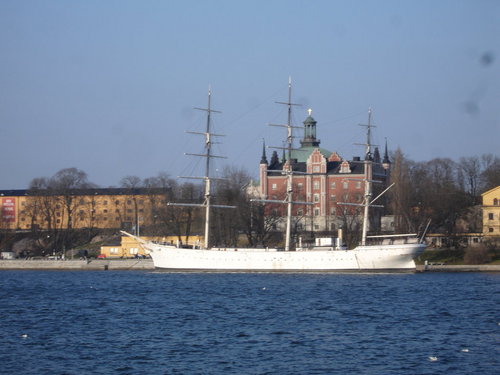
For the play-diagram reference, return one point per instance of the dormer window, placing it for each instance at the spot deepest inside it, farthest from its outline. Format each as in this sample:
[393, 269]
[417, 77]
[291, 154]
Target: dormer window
[344, 167]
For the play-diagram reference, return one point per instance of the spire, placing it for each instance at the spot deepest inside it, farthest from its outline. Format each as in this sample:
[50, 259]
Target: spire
[263, 160]
[386, 162]
[376, 155]
[274, 160]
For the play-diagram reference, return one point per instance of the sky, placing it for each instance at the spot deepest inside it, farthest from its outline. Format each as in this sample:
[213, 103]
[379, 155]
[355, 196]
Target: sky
[109, 87]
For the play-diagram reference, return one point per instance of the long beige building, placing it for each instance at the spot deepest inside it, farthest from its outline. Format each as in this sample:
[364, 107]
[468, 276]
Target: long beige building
[85, 208]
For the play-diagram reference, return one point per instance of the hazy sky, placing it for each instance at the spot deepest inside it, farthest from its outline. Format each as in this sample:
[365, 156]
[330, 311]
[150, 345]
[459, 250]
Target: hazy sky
[109, 87]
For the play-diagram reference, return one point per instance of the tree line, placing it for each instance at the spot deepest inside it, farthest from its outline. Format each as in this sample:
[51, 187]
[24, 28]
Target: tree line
[445, 191]
[442, 190]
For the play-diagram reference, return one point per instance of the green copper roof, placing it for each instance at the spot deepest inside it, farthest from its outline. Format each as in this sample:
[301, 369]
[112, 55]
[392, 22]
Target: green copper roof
[302, 154]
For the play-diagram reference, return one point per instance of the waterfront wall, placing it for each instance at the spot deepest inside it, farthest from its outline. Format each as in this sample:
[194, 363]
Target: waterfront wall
[459, 268]
[147, 264]
[91, 264]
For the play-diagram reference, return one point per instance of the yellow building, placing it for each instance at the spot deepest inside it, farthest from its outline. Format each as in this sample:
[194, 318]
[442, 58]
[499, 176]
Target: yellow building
[491, 212]
[129, 247]
[83, 208]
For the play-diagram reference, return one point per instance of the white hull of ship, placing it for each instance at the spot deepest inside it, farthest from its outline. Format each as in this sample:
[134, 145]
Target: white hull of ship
[362, 258]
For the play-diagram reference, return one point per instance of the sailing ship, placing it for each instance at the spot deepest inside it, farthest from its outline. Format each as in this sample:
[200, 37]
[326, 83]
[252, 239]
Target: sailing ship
[392, 253]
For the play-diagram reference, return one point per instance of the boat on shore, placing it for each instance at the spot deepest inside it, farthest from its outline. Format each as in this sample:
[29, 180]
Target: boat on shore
[391, 253]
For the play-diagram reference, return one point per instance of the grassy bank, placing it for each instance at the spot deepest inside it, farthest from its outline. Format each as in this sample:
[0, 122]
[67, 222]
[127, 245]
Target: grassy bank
[460, 256]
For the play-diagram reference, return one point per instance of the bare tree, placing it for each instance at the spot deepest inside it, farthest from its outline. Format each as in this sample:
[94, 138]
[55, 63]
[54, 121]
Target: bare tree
[490, 175]
[469, 177]
[64, 183]
[160, 190]
[131, 182]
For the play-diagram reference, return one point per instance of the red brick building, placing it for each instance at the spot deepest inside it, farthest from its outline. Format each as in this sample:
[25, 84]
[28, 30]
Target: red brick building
[327, 180]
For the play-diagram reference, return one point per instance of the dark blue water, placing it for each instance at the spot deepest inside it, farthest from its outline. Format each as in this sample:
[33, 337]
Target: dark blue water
[173, 323]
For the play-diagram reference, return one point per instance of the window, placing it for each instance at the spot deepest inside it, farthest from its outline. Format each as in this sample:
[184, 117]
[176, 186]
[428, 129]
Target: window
[316, 169]
[299, 186]
[490, 216]
[274, 186]
[129, 211]
[316, 197]
[332, 210]
[316, 212]
[134, 250]
[105, 203]
[333, 197]
[495, 202]
[345, 185]
[117, 202]
[82, 201]
[141, 201]
[81, 212]
[333, 185]
[490, 230]
[358, 184]
[316, 185]
[300, 212]
[105, 211]
[129, 202]
[113, 250]
[316, 227]
[117, 211]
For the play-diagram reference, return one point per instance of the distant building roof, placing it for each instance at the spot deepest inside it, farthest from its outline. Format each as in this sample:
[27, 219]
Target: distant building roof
[80, 192]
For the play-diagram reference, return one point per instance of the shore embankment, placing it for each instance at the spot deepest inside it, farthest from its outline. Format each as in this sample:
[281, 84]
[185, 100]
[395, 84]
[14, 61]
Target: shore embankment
[459, 268]
[89, 264]
[147, 264]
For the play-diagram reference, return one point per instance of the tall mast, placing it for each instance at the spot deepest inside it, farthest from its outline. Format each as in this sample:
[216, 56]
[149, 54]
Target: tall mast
[208, 147]
[289, 172]
[288, 126]
[368, 176]
[368, 166]
[206, 178]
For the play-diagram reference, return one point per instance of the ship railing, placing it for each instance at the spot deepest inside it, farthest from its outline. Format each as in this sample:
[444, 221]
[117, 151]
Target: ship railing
[394, 239]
